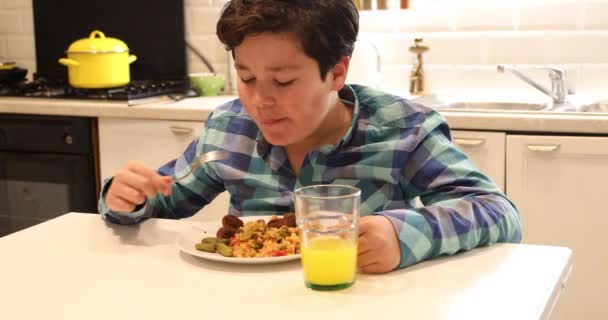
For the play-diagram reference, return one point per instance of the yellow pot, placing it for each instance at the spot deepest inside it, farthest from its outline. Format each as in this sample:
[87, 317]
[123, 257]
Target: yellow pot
[98, 62]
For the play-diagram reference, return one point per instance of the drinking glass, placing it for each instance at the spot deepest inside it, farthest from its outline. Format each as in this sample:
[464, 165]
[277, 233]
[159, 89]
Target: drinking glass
[328, 219]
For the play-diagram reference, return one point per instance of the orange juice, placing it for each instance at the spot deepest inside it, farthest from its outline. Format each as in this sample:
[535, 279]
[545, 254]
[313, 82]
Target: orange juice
[329, 263]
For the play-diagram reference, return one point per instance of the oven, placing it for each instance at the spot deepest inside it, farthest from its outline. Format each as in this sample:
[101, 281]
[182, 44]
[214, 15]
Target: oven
[47, 168]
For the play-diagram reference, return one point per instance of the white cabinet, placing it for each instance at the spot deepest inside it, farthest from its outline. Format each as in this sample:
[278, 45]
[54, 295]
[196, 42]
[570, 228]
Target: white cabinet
[486, 150]
[559, 186]
[153, 142]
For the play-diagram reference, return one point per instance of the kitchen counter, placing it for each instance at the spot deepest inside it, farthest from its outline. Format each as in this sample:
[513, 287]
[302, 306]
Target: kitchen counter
[78, 267]
[197, 109]
[191, 109]
[545, 122]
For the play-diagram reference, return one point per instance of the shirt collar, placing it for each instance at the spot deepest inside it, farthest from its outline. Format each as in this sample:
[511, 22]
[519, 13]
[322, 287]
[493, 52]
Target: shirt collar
[348, 95]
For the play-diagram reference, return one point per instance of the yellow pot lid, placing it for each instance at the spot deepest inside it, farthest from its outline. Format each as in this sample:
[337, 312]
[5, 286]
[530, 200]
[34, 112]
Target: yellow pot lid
[98, 43]
[7, 65]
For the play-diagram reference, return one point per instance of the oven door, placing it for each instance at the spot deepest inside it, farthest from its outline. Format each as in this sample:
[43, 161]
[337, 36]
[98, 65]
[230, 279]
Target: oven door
[35, 187]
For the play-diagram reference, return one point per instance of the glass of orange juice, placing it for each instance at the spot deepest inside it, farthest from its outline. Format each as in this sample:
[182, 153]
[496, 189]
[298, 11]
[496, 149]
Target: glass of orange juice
[328, 219]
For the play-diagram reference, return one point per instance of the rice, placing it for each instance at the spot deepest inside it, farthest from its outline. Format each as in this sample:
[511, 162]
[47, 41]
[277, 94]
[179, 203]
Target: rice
[255, 240]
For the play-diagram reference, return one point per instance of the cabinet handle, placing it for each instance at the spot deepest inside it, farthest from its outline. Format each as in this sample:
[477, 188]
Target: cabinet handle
[543, 148]
[181, 130]
[469, 142]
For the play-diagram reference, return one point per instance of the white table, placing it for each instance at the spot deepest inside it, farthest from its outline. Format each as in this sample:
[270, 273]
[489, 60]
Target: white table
[78, 267]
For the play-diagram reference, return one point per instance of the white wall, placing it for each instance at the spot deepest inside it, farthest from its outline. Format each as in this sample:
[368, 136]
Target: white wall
[467, 39]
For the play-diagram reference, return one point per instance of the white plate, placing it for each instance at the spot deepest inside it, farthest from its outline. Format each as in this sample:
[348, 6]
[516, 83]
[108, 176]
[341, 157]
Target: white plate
[194, 234]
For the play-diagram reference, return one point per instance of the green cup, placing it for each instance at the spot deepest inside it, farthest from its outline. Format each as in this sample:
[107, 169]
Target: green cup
[207, 84]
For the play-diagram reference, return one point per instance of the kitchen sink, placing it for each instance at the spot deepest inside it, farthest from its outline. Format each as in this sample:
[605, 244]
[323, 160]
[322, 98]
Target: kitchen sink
[595, 107]
[455, 104]
[493, 106]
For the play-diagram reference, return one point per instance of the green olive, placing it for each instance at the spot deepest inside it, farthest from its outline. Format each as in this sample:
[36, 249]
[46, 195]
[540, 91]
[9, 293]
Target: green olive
[222, 240]
[208, 247]
[209, 240]
[224, 249]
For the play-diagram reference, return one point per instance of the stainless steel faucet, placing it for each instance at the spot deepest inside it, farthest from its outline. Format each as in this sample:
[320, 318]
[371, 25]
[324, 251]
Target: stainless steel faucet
[558, 82]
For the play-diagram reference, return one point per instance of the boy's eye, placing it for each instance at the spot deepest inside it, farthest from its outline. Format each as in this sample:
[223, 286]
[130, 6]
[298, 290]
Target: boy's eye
[285, 83]
[250, 80]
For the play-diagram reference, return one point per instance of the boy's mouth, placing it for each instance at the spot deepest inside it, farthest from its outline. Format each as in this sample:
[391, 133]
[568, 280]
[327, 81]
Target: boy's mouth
[272, 121]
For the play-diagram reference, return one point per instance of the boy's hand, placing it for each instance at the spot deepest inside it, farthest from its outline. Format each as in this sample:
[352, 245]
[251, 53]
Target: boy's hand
[133, 184]
[379, 250]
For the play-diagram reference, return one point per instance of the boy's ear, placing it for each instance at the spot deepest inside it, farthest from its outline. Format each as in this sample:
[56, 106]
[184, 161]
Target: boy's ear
[337, 74]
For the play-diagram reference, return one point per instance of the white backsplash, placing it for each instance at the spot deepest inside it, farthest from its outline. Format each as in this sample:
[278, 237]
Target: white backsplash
[467, 39]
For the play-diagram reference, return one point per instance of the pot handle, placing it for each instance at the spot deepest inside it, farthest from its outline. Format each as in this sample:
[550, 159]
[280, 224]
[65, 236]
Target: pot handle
[69, 62]
[132, 59]
[97, 33]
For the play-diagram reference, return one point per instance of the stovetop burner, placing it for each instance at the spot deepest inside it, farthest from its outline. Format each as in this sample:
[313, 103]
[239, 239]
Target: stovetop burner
[137, 89]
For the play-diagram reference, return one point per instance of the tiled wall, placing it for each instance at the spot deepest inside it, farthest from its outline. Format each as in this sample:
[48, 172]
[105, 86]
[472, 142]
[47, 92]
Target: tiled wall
[17, 32]
[201, 18]
[467, 39]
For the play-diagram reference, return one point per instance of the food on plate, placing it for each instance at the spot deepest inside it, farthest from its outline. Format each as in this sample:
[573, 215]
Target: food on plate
[214, 240]
[226, 232]
[254, 239]
[290, 219]
[275, 223]
[224, 249]
[212, 245]
[206, 246]
[232, 221]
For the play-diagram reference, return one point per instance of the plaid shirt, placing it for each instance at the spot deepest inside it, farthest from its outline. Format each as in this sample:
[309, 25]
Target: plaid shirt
[395, 151]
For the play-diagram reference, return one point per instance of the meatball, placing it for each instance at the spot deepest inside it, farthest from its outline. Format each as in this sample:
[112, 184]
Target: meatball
[290, 220]
[276, 223]
[226, 232]
[232, 222]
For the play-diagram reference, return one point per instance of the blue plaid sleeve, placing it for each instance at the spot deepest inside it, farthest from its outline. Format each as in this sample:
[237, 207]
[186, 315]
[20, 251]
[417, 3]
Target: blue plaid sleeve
[187, 196]
[463, 208]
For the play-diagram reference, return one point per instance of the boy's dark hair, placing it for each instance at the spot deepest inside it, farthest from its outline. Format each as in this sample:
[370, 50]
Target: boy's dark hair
[326, 29]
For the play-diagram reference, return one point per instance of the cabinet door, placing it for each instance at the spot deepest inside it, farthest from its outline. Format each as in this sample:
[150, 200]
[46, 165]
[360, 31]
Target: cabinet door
[486, 150]
[558, 185]
[153, 142]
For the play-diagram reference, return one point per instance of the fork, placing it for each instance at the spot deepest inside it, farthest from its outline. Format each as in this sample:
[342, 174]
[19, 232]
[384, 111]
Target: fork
[209, 156]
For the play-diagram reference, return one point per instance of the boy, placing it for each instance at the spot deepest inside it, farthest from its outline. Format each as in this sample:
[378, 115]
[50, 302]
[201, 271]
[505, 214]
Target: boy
[296, 124]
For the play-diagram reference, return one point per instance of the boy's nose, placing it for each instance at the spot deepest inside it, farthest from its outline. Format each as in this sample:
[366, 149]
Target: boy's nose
[267, 102]
[263, 99]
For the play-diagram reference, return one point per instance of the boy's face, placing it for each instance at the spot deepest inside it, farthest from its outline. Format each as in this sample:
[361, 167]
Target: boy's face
[281, 88]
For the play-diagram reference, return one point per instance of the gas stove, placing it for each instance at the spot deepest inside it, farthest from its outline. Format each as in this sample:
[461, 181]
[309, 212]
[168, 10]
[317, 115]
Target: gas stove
[135, 90]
